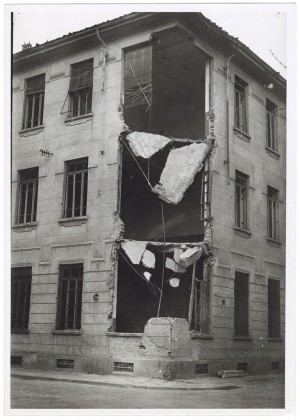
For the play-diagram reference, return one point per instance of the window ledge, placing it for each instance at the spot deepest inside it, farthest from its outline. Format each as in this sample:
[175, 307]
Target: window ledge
[241, 134]
[74, 221]
[244, 233]
[31, 131]
[274, 242]
[122, 334]
[272, 153]
[78, 120]
[275, 339]
[199, 336]
[25, 331]
[242, 338]
[67, 332]
[25, 227]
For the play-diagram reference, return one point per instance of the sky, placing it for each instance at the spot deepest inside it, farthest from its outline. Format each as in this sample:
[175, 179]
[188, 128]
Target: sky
[262, 27]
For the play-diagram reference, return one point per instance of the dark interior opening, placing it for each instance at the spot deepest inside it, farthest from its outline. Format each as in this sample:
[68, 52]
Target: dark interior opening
[171, 71]
[141, 209]
[136, 302]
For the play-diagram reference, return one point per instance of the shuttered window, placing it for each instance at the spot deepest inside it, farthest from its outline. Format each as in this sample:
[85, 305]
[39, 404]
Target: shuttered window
[138, 76]
[274, 308]
[80, 89]
[241, 304]
[20, 298]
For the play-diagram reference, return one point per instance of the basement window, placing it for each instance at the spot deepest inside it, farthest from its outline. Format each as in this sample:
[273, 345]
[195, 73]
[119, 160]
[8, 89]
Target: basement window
[201, 369]
[16, 360]
[65, 363]
[275, 366]
[242, 366]
[123, 367]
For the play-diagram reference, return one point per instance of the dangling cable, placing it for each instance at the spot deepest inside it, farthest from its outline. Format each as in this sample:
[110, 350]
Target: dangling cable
[164, 258]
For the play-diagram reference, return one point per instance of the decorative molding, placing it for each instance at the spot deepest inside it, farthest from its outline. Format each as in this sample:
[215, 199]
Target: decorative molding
[242, 255]
[240, 134]
[79, 120]
[272, 153]
[257, 98]
[57, 76]
[31, 131]
[244, 233]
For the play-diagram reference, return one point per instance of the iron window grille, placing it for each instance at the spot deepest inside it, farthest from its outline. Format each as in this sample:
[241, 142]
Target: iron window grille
[27, 196]
[272, 218]
[80, 89]
[34, 102]
[240, 105]
[65, 363]
[242, 366]
[205, 196]
[271, 135]
[20, 298]
[241, 194]
[69, 297]
[123, 367]
[16, 360]
[275, 365]
[274, 308]
[76, 184]
[201, 369]
[241, 304]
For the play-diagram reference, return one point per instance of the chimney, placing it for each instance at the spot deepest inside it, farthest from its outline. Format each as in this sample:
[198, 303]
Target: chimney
[26, 46]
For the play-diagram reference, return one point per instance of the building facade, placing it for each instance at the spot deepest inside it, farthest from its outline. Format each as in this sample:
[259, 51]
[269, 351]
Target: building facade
[148, 201]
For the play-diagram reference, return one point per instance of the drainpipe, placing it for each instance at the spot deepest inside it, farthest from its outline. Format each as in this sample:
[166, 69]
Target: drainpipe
[104, 56]
[227, 117]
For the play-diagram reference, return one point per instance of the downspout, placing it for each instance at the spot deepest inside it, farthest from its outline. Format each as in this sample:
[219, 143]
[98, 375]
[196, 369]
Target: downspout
[227, 161]
[104, 56]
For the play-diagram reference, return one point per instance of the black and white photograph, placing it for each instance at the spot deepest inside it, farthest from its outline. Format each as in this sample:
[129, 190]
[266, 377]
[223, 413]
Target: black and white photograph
[150, 257]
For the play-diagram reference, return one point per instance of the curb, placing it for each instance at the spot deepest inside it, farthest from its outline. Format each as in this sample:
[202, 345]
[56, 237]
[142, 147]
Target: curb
[85, 382]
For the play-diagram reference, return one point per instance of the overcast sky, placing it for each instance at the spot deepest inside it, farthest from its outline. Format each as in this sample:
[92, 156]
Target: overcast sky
[262, 27]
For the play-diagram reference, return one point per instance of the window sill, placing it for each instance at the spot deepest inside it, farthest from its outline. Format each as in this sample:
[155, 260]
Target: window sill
[242, 338]
[121, 334]
[275, 339]
[274, 242]
[199, 336]
[244, 233]
[272, 153]
[25, 331]
[241, 134]
[26, 227]
[79, 119]
[31, 131]
[67, 332]
[74, 221]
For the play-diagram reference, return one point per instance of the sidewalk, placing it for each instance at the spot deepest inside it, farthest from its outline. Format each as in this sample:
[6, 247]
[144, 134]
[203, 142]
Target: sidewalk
[203, 383]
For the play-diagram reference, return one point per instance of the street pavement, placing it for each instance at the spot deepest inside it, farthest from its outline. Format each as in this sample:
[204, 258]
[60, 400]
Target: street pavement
[65, 390]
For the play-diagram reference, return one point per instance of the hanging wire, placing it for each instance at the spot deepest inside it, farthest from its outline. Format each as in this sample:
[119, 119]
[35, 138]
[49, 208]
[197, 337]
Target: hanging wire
[149, 105]
[164, 257]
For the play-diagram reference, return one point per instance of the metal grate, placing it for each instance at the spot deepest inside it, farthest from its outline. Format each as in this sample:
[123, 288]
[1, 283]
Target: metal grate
[202, 369]
[123, 367]
[65, 363]
[16, 360]
[242, 366]
[275, 365]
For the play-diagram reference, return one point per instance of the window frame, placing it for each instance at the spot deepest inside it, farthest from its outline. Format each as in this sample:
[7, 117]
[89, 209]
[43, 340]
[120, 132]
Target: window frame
[274, 328]
[61, 322]
[22, 304]
[83, 193]
[271, 126]
[273, 208]
[241, 105]
[241, 194]
[40, 94]
[77, 95]
[241, 277]
[24, 179]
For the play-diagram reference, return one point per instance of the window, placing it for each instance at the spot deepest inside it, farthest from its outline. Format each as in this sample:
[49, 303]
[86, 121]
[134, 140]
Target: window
[76, 188]
[241, 193]
[34, 102]
[69, 297]
[204, 195]
[199, 318]
[80, 90]
[274, 308]
[241, 303]
[27, 196]
[240, 105]
[271, 111]
[20, 298]
[272, 213]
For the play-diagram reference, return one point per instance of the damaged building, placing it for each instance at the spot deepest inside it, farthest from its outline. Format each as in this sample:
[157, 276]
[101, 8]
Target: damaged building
[148, 202]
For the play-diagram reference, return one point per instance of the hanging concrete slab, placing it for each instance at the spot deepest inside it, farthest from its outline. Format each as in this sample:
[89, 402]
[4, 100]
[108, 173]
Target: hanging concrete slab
[171, 265]
[148, 259]
[134, 250]
[174, 282]
[190, 256]
[147, 275]
[178, 174]
[146, 144]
